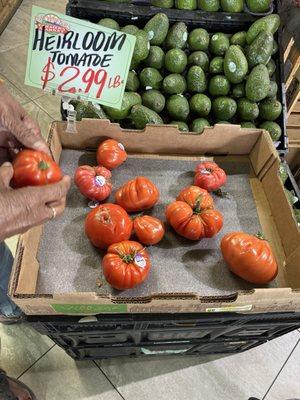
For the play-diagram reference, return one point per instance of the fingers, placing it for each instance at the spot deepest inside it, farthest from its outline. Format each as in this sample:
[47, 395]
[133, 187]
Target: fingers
[56, 208]
[29, 137]
[6, 174]
[56, 191]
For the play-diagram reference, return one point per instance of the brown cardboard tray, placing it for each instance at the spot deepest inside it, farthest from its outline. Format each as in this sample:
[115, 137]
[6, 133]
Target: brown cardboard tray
[231, 143]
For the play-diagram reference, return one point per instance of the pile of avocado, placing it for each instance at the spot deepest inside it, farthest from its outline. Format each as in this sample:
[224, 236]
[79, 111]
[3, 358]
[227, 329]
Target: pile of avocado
[230, 6]
[194, 79]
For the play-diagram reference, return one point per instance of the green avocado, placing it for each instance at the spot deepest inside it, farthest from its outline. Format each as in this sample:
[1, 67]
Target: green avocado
[198, 40]
[174, 84]
[219, 44]
[232, 6]
[216, 65]
[186, 4]
[275, 47]
[154, 100]
[239, 39]
[272, 90]
[271, 66]
[247, 110]
[151, 78]
[270, 24]
[129, 100]
[163, 3]
[157, 29]
[270, 109]
[283, 172]
[141, 49]
[178, 107]
[273, 128]
[109, 23]
[247, 124]
[182, 126]
[258, 6]
[258, 83]
[199, 124]
[260, 50]
[235, 64]
[141, 116]
[200, 104]
[130, 29]
[209, 5]
[224, 108]
[219, 85]
[196, 79]
[156, 58]
[177, 36]
[199, 58]
[176, 61]
[238, 91]
[133, 82]
[88, 111]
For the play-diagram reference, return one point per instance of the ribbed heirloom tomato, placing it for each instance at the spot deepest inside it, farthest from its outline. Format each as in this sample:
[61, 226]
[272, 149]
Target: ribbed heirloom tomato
[111, 154]
[250, 257]
[137, 195]
[192, 215]
[148, 230]
[107, 224]
[126, 265]
[35, 168]
[209, 176]
[93, 182]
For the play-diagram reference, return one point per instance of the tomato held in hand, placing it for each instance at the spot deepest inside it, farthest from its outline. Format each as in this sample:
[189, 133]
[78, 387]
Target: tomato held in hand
[137, 195]
[209, 176]
[35, 168]
[195, 197]
[126, 265]
[148, 230]
[93, 182]
[107, 224]
[193, 224]
[250, 257]
[111, 154]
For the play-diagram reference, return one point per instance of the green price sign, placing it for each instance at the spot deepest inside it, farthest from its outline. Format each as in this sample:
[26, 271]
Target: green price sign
[76, 58]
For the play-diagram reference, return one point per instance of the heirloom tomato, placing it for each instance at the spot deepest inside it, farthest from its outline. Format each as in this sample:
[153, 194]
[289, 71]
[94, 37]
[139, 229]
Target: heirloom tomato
[250, 257]
[148, 230]
[111, 154]
[35, 168]
[126, 264]
[195, 197]
[137, 195]
[209, 176]
[93, 182]
[107, 224]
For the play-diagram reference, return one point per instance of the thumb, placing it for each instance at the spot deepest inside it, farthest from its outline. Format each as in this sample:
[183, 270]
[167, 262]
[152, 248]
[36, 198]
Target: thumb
[6, 174]
[29, 137]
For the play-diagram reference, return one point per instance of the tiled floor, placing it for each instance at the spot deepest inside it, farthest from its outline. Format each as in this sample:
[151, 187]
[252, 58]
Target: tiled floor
[269, 372]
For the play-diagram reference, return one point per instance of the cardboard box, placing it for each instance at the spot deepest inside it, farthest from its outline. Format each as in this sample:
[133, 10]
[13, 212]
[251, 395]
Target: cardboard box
[274, 211]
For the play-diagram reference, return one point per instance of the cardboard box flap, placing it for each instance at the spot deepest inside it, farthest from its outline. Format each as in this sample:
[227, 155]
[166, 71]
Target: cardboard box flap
[263, 155]
[221, 139]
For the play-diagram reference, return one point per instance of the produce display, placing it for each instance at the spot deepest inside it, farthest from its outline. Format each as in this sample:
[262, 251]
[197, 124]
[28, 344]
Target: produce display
[35, 168]
[192, 78]
[290, 194]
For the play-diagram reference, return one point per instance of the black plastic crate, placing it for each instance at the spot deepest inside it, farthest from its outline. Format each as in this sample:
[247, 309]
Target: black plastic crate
[94, 10]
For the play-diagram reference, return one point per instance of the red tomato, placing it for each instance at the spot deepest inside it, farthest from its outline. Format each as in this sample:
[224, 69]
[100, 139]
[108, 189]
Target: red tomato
[93, 182]
[148, 230]
[126, 265]
[250, 257]
[209, 176]
[196, 197]
[107, 224]
[111, 154]
[35, 168]
[137, 195]
[193, 224]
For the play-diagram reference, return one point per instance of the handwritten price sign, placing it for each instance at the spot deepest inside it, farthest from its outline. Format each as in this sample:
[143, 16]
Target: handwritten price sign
[76, 58]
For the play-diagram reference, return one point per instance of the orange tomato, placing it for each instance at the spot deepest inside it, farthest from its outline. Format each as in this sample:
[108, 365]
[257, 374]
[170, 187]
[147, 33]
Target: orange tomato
[107, 224]
[126, 265]
[209, 176]
[148, 230]
[195, 197]
[111, 154]
[193, 224]
[93, 182]
[250, 257]
[137, 195]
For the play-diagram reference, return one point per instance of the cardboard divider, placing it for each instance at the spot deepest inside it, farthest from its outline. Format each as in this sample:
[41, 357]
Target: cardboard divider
[273, 209]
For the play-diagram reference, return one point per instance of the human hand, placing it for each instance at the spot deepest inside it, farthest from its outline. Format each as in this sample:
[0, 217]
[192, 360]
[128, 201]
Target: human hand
[17, 128]
[21, 209]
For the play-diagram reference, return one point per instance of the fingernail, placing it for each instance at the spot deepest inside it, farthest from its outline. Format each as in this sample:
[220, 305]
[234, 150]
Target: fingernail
[40, 145]
[6, 164]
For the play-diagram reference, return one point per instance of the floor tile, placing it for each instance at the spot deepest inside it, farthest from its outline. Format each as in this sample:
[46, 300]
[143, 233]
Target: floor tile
[18, 95]
[16, 32]
[238, 376]
[57, 376]
[287, 384]
[51, 105]
[39, 115]
[21, 346]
